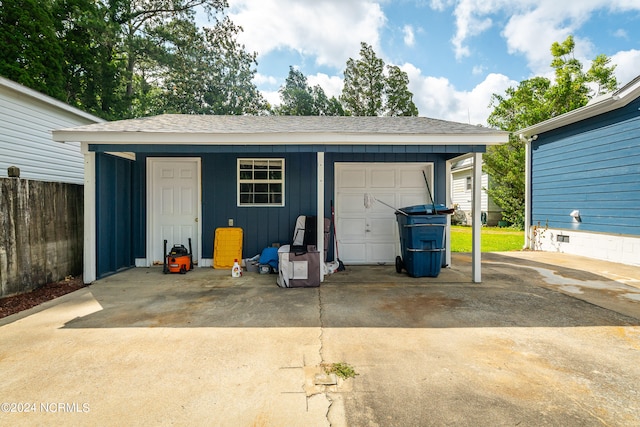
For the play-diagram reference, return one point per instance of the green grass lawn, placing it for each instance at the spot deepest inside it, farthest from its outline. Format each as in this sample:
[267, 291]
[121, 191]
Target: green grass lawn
[492, 239]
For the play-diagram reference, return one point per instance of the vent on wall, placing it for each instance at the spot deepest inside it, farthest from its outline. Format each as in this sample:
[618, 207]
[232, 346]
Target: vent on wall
[562, 238]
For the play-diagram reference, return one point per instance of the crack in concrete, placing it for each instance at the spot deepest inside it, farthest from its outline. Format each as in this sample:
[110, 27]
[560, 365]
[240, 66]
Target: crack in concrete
[321, 351]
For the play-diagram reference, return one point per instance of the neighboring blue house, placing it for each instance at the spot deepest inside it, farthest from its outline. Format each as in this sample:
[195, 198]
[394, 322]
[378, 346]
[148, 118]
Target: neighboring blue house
[583, 172]
[176, 177]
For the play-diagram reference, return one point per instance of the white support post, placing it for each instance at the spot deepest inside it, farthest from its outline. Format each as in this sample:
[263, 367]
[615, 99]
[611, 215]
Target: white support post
[89, 267]
[320, 212]
[447, 242]
[527, 195]
[476, 202]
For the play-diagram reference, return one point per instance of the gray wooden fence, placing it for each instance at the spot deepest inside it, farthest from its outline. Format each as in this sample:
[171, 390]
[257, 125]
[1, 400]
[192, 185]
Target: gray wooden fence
[41, 233]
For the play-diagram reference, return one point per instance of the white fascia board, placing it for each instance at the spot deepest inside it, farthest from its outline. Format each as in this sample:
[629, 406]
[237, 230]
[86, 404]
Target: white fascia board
[277, 138]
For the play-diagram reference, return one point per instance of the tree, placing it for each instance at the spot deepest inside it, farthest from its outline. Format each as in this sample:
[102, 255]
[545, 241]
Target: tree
[208, 72]
[296, 96]
[32, 54]
[364, 84]
[89, 70]
[368, 91]
[399, 99]
[128, 58]
[533, 101]
[299, 99]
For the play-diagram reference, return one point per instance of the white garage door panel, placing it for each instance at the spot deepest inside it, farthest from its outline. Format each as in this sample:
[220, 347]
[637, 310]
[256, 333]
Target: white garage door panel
[412, 179]
[380, 253]
[357, 252]
[381, 229]
[355, 178]
[368, 232]
[383, 179]
[412, 199]
[351, 203]
[351, 228]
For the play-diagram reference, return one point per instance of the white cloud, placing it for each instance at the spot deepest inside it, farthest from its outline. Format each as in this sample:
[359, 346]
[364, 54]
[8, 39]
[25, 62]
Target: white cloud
[438, 98]
[628, 64]
[332, 85]
[409, 36]
[532, 26]
[260, 79]
[478, 69]
[439, 5]
[272, 96]
[328, 30]
[471, 20]
[621, 33]
[533, 32]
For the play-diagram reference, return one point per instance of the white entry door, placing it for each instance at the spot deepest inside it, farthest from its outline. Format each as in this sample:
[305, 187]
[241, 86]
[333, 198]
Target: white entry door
[173, 189]
[367, 229]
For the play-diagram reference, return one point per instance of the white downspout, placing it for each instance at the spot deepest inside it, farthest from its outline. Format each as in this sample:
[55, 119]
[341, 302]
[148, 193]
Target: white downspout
[476, 203]
[320, 212]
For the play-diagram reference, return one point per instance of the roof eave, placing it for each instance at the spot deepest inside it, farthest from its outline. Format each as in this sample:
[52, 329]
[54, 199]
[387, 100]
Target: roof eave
[192, 138]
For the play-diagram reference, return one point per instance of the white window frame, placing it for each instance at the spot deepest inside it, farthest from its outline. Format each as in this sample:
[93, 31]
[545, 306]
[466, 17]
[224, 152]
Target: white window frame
[260, 181]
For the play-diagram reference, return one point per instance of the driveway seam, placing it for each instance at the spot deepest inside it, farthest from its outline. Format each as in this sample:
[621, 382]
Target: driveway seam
[321, 338]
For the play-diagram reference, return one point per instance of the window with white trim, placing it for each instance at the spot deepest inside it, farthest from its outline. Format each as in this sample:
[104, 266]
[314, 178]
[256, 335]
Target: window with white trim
[260, 182]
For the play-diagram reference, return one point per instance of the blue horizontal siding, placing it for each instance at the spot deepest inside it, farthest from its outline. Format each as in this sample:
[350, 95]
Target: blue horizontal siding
[592, 166]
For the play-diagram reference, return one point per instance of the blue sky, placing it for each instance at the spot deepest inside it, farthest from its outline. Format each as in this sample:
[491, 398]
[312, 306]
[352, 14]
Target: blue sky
[456, 53]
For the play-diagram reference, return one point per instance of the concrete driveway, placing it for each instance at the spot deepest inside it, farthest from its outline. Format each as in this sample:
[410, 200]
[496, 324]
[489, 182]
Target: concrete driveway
[546, 339]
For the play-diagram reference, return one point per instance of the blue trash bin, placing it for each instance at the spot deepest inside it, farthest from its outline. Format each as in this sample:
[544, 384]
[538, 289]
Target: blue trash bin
[421, 240]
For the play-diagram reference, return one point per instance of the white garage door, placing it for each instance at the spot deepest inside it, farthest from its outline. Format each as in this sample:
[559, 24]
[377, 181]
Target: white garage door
[368, 232]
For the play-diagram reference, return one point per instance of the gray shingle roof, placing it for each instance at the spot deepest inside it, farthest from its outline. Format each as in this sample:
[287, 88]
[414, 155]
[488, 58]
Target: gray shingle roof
[209, 124]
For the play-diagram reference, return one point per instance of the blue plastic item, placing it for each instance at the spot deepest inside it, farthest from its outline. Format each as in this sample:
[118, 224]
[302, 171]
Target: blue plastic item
[269, 256]
[421, 240]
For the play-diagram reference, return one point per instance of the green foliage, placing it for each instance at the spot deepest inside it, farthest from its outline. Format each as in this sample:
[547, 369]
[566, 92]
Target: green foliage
[492, 239]
[341, 369]
[299, 99]
[125, 58]
[367, 91]
[364, 84]
[533, 101]
[505, 166]
[32, 54]
[206, 72]
[399, 98]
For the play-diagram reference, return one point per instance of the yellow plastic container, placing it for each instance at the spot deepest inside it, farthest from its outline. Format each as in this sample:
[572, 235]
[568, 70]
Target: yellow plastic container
[227, 246]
